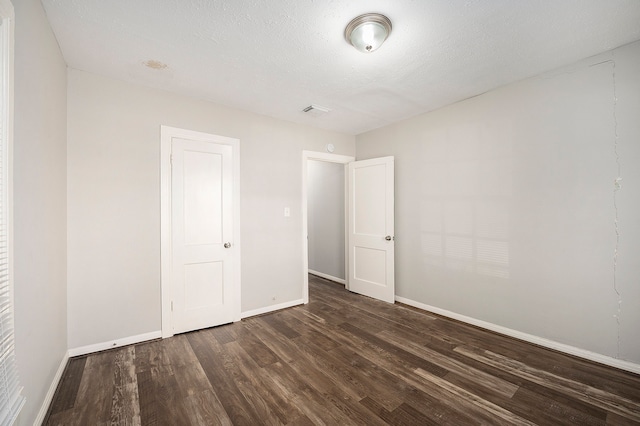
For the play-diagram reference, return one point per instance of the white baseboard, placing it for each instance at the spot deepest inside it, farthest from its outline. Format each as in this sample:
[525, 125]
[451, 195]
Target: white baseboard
[114, 343]
[52, 390]
[541, 341]
[328, 277]
[271, 308]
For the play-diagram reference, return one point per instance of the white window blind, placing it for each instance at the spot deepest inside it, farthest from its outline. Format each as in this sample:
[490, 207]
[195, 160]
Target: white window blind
[11, 400]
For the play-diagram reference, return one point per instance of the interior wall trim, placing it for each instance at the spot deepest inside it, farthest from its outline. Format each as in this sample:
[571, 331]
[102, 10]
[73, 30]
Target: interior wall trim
[44, 408]
[328, 277]
[271, 308]
[116, 343]
[536, 340]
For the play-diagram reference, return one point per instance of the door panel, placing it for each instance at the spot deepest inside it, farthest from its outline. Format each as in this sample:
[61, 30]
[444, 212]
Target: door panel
[369, 204]
[201, 184]
[202, 197]
[371, 228]
[370, 264]
[204, 285]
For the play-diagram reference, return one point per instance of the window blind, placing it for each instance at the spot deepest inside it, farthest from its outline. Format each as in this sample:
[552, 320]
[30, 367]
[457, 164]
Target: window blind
[11, 400]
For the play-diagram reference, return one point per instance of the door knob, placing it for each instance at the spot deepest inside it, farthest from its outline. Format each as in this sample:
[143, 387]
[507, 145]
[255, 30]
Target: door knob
[227, 245]
[388, 238]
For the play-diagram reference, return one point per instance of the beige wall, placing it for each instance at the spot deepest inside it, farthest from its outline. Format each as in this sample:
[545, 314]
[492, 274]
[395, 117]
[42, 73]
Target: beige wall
[114, 202]
[39, 205]
[505, 205]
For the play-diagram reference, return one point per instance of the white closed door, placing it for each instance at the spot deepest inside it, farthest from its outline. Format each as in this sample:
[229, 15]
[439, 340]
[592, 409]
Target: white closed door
[201, 234]
[371, 228]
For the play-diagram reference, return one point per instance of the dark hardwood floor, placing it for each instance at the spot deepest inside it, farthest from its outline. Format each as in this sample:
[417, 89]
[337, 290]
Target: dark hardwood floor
[342, 359]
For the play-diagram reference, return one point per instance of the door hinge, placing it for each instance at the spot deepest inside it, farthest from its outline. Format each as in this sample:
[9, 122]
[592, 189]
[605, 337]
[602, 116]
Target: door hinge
[171, 159]
[172, 306]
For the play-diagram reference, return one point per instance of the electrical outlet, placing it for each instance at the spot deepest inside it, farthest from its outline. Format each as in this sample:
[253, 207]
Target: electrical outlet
[287, 212]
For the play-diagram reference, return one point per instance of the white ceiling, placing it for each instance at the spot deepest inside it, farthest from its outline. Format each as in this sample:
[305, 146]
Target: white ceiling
[276, 57]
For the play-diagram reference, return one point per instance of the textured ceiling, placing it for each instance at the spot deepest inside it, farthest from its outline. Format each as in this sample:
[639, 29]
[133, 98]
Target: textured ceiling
[275, 57]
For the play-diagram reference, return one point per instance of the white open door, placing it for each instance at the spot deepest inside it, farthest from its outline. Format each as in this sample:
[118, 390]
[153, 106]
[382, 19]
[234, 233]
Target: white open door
[371, 228]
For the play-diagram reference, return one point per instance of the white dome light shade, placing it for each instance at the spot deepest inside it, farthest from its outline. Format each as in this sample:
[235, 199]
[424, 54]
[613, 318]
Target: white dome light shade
[367, 32]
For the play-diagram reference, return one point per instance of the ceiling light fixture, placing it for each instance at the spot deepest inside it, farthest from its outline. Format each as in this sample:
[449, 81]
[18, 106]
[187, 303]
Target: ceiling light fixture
[367, 32]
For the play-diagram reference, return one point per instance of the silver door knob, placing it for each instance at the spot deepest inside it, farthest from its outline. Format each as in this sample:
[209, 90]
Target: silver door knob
[388, 238]
[227, 245]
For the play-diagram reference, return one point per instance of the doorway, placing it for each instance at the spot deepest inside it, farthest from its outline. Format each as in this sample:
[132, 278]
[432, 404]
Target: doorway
[326, 220]
[369, 227]
[307, 158]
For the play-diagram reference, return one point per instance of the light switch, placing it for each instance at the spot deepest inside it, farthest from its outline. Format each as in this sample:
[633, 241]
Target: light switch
[287, 212]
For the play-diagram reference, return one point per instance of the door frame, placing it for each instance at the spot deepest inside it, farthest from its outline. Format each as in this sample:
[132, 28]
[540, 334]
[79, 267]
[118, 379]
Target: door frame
[167, 133]
[330, 158]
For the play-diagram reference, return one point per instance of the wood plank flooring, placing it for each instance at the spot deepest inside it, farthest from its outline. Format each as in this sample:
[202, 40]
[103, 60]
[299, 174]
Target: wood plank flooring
[342, 359]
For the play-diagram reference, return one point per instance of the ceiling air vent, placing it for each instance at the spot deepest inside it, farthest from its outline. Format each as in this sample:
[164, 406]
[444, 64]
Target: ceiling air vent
[315, 110]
